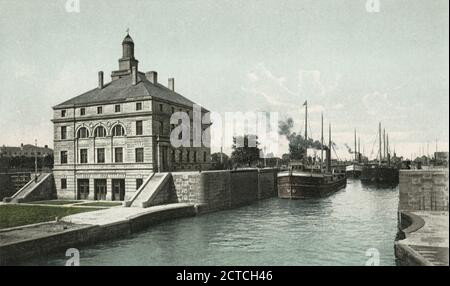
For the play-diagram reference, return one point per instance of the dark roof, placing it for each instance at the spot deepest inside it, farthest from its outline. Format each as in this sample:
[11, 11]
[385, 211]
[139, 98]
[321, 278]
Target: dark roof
[123, 89]
[127, 39]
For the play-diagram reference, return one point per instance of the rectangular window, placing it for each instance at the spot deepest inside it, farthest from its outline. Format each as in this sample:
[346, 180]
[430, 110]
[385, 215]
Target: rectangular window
[173, 110]
[204, 156]
[99, 110]
[173, 156]
[63, 113]
[139, 182]
[161, 128]
[117, 108]
[63, 158]
[138, 105]
[139, 130]
[195, 156]
[101, 155]
[63, 184]
[63, 132]
[181, 156]
[187, 156]
[83, 156]
[161, 108]
[82, 111]
[139, 155]
[118, 155]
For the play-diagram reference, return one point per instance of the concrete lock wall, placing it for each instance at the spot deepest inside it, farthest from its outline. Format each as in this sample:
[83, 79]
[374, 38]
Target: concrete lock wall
[423, 190]
[218, 190]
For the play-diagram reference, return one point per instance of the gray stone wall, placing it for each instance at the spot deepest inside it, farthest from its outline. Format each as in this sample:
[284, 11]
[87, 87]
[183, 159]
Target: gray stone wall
[217, 190]
[423, 190]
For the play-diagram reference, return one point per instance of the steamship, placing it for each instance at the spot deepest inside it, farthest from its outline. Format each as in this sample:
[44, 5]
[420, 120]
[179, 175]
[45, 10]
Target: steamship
[382, 172]
[304, 180]
[355, 169]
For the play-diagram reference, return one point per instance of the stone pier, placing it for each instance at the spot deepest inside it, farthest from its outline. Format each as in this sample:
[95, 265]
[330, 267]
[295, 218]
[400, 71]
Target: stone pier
[423, 237]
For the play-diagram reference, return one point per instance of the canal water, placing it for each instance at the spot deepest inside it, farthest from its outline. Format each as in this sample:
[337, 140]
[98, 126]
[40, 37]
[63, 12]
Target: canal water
[347, 228]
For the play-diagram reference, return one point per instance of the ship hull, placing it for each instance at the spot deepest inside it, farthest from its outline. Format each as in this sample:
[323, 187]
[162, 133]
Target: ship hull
[353, 171]
[379, 175]
[304, 187]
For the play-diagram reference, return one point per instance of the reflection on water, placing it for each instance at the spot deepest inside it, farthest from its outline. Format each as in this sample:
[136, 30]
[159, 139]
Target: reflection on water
[332, 231]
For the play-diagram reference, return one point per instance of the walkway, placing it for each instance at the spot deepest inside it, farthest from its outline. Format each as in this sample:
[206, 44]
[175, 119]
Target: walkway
[432, 240]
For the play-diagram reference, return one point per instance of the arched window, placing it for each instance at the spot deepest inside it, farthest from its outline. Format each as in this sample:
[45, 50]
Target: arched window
[100, 131]
[83, 132]
[118, 130]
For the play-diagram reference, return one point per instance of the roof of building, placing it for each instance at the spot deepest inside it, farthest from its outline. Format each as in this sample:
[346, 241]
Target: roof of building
[128, 39]
[123, 89]
[24, 147]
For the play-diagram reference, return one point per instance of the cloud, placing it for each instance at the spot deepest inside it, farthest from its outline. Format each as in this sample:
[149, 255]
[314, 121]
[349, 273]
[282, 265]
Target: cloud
[311, 83]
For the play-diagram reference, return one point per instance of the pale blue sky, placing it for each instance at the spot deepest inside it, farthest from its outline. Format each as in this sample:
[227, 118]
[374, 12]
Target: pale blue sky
[357, 67]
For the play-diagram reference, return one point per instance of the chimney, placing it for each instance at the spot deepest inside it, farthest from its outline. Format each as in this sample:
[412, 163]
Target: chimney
[152, 76]
[100, 79]
[172, 84]
[134, 75]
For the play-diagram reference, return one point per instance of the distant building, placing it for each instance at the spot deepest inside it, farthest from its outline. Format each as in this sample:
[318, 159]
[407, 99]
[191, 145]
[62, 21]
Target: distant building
[27, 150]
[441, 156]
[110, 139]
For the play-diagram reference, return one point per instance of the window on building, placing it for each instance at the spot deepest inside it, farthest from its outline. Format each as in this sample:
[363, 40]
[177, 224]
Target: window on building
[138, 105]
[173, 110]
[83, 156]
[161, 128]
[181, 156]
[101, 155]
[139, 155]
[118, 155]
[117, 108]
[100, 131]
[204, 156]
[139, 130]
[63, 158]
[82, 111]
[161, 107]
[139, 182]
[83, 132]
[118, 130]
[99, 109]
[63, 184]
[195, 156]
[188, 156]
[63, 113]
[173, 156]
[63, 132]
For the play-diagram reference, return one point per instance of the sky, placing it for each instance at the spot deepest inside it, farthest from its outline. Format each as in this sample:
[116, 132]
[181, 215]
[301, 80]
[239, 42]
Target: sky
[356, 66]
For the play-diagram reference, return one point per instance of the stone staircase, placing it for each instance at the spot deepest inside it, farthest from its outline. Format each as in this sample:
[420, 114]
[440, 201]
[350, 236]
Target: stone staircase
[152, 192]
[36, 189]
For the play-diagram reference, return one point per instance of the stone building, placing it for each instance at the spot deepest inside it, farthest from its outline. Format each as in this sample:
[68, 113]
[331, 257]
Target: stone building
[26, 150]
[108, 140]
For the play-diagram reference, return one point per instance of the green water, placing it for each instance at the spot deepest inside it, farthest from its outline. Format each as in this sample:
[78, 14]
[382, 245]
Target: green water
[337, 230]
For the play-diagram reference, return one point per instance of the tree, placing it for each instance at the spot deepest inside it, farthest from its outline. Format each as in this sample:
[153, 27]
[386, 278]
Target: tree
[245, 150]
[217, 163]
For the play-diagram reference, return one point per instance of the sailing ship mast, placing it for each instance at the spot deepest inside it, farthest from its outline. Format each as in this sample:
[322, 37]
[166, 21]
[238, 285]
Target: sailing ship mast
[321, 147]
[384, 143]
[329, 151]
[379, 143]
[359, 150]
[306, 131]
[356, 158]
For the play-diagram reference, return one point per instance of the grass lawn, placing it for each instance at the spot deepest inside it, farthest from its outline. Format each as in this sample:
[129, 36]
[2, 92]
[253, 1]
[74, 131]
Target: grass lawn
[18, 215]
[54, 202]
[101, 204]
